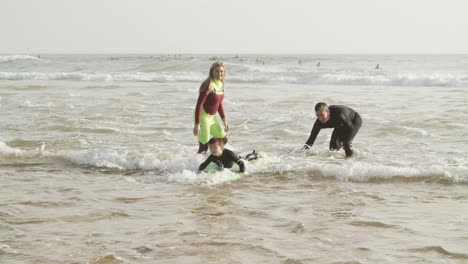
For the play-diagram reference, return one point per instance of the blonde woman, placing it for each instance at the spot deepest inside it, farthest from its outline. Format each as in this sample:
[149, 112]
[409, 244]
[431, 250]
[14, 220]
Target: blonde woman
[210, 101]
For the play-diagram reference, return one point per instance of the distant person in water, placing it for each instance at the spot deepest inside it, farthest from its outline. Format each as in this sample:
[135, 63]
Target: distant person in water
[318, 64]
[345, 121]
[210, 101]
[377, 67]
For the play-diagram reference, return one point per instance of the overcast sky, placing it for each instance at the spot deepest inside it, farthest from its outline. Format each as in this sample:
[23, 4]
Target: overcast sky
[233, 26]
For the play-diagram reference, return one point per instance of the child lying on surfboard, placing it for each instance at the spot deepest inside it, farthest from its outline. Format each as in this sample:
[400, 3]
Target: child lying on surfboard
[225, 158]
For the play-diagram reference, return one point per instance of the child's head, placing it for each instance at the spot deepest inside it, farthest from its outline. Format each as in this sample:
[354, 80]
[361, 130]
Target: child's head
[217, 146]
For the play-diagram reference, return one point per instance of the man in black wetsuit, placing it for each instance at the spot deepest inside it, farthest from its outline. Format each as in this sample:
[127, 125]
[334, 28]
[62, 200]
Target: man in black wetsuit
[222, 157]
[345, 121]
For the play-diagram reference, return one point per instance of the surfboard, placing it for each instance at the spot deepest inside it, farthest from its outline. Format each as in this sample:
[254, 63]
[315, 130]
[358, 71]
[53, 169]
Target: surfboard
[213, 172]
[216, 175]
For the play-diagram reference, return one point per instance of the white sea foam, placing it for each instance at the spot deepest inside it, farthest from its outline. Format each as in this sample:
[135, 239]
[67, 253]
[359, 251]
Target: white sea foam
[363, 171]
[8, 58]
[281, 73]
[6, 150]
[327, 78]
[106, 77]
[113, 159]
[420, 131]
[400, 79]
[210, 179]
[182, 168]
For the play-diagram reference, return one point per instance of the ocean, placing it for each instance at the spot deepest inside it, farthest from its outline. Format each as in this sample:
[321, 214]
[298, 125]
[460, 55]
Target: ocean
[98, 161]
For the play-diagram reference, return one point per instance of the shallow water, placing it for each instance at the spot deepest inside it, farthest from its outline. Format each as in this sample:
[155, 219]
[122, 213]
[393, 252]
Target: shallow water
[103, 171]
[79, 216]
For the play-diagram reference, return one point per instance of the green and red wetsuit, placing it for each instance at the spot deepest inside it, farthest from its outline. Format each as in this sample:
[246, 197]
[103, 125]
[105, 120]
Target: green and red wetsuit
[209, 102]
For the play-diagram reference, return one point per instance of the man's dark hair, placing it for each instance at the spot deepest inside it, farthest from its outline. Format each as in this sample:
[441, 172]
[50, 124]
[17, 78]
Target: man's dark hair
[320, 106]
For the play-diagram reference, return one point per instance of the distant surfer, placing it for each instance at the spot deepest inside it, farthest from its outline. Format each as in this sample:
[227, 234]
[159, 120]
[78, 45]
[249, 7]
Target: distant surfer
[210, 101]
[377, 67]
[345, 121]
[318, 64]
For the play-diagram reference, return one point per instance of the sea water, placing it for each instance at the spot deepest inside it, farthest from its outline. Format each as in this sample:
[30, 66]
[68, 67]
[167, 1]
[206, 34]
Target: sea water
[98, 161]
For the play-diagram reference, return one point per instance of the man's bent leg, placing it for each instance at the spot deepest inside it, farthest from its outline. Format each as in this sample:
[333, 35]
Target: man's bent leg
[334, 139]
[339, 144]
[357, 122]
[348, 148]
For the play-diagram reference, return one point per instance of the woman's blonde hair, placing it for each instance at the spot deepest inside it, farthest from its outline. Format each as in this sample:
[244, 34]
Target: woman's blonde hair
[213, 67]
[207, 82]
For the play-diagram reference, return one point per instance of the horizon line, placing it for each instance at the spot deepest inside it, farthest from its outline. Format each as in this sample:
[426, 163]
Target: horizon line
[222, 53]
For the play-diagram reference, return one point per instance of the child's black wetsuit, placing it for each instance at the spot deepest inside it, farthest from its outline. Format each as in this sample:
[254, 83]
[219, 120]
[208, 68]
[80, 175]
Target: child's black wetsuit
[226, 160]
[346, 123]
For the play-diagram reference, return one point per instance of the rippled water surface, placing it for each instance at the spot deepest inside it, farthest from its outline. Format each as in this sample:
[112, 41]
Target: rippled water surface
[104, 171]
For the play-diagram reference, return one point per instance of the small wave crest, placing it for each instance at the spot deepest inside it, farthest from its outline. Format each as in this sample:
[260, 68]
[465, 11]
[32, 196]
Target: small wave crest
[274, 76]
[114, 159]
[371, 224]
[440, 250]
[412, 71]
[105, 77]
[359, 169]
[5, 150]
[210, 179]
[18, 57]
[179, 169]
[181, 166]
[368, 172]
[399, 79]
[108, 259]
